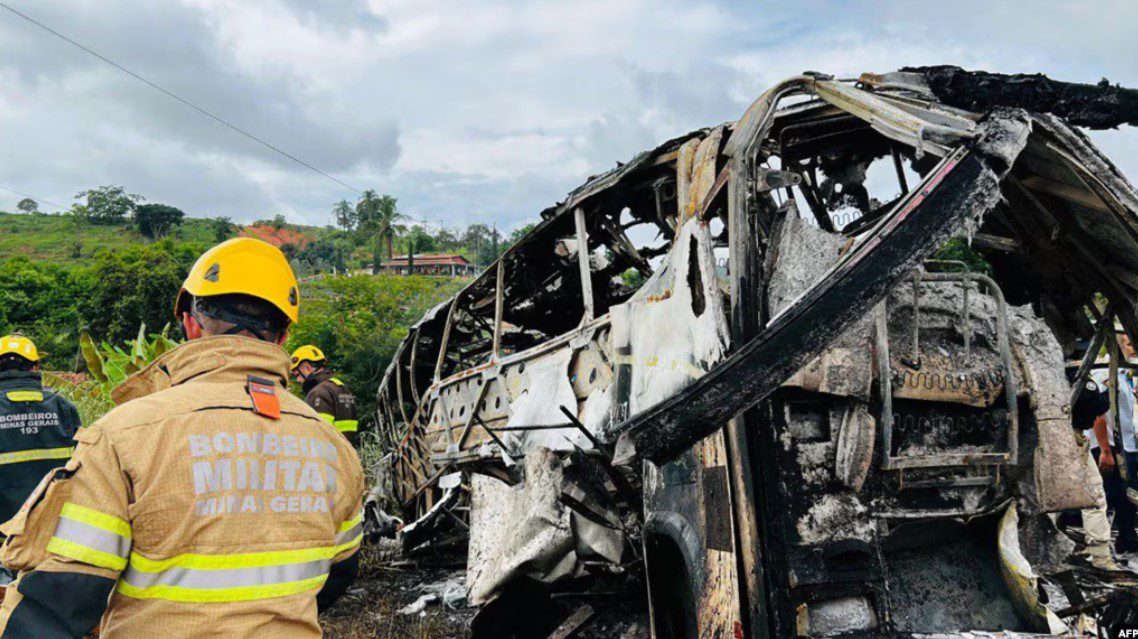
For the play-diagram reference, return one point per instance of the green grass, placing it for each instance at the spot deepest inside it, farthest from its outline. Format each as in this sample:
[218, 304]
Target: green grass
[51, 238]
[91, 403]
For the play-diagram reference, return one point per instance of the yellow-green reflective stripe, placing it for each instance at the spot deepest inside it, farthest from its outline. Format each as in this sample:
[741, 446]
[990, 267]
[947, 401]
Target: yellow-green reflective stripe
[222, 562]
[352, 523]
[90, 536]
[90, 516]
[87, 535]
[351, 543]
[337, 382]
[227, 578]
[25, 396]
[90, 556]
[238, 577]
[350, 533]
[331, 419]
[217, 595]
[20, 456]
[346, 425]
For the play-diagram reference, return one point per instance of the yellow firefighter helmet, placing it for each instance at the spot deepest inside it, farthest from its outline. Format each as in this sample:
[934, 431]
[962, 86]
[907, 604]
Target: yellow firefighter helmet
[16, 344]
[247, 266]
[307, 353]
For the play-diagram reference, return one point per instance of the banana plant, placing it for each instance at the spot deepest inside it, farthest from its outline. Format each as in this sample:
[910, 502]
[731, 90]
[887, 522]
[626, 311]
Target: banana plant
[110, 364]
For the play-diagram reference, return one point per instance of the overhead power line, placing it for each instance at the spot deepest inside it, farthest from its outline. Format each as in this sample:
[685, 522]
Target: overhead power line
[32, 197]
[177, 97]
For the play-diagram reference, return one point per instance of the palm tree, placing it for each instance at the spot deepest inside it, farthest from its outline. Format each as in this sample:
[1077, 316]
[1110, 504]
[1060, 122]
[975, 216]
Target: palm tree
[345, 215]
[379, 216]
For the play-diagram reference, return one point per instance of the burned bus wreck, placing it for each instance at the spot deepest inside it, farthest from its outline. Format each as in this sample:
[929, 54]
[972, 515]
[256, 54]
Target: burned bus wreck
[806, 370]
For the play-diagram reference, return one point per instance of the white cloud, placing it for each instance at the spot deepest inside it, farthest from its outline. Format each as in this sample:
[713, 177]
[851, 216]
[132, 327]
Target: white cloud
[466, 111]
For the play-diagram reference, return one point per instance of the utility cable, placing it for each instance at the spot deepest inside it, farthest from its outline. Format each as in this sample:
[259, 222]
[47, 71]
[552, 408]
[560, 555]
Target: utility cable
[32, 197]
[177, 97]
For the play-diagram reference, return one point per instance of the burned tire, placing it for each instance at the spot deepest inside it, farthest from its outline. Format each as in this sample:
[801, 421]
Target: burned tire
[670, 589]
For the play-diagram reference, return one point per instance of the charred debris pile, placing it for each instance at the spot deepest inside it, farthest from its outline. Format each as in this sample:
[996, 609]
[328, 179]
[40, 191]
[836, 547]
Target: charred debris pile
[732, 374]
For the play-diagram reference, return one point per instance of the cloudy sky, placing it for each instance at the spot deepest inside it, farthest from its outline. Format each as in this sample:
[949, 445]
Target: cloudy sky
[466, 110]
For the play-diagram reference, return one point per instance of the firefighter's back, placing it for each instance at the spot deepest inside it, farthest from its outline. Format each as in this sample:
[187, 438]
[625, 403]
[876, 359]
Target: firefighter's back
[235, 517]
[36, 427]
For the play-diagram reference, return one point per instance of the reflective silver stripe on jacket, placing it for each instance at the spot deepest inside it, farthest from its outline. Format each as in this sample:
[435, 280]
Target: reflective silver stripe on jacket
[227, 577]
[349, 534]
[87, 535]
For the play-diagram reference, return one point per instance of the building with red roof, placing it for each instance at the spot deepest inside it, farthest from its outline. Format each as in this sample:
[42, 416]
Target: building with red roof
[451, 264]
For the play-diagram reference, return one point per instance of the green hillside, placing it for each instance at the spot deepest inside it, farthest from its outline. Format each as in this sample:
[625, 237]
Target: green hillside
[120, 282]
[51, 238]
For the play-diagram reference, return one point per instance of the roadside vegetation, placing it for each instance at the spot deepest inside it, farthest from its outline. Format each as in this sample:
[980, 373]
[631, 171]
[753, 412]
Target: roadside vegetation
[358, 320]
[104, 310]
[94, 285]
[363, 234]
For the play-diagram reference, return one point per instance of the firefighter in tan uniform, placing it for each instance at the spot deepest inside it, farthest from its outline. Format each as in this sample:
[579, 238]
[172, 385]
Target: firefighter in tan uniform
[210, 502]
[324, 392]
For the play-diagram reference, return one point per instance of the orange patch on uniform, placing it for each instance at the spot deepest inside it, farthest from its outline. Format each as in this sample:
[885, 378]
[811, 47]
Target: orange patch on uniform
[264, 395]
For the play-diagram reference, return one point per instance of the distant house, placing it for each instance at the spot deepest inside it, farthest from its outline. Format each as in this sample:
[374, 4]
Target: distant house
[451, 264]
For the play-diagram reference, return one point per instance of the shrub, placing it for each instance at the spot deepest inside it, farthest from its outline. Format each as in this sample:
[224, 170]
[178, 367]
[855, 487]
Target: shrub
[156, 220]
[136, 286]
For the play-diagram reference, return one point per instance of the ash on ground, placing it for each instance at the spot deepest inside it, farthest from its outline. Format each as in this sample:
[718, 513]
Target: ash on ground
[418, 597]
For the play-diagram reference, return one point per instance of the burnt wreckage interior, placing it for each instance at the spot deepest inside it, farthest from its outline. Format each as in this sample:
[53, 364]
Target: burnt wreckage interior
[810, 370]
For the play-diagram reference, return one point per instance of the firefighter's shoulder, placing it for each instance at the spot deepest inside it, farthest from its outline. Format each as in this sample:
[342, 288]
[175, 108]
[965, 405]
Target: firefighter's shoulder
[137, 412]
[295, 407]
[328, 387]
[163, 405]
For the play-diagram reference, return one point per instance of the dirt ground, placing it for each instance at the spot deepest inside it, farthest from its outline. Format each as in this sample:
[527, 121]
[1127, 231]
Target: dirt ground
[370, 610]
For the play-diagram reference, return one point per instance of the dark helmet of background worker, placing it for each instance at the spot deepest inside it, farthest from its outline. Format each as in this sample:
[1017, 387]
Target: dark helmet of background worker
[18, 353]
[306, 360]
[241, 286]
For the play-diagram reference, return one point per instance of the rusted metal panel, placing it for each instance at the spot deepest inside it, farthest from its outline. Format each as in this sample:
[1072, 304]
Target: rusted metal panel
[703, 173]
[744, 221]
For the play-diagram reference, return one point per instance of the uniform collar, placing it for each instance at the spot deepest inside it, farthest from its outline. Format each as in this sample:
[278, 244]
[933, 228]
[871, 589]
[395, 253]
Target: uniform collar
[21, 380]
[317, 378]
[219, 358]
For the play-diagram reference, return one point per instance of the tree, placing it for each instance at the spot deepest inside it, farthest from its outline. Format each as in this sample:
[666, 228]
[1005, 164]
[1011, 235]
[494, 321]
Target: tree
[446, 239]
[378, 217]
[222, 228]
[42, 300]
[135, 285]
[290, 251]
[517, 234]
[324, 254]
[345, 215]
[109, 204]
[490, 248]
[420, 241]
[28, 205]
[278, 222]
[359, 321]
[110, 294]
[156, 220]
[77, 219]
[475, 237]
